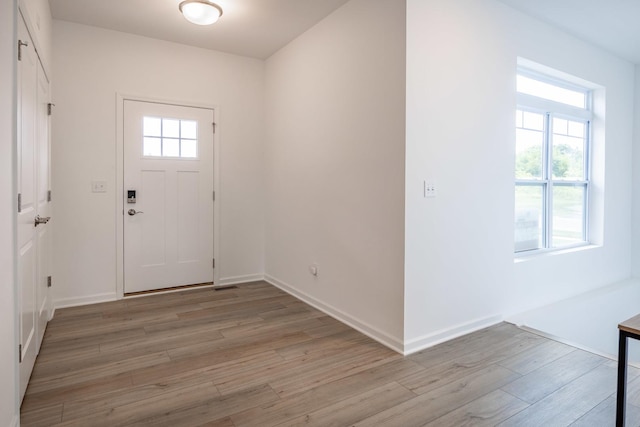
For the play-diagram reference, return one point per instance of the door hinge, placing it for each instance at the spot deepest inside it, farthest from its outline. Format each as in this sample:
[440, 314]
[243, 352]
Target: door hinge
[214, 127]
[214, 196]
[19, 353]
[50, 108]
[49, 196]
[214, 263]
[20, 44]
[19, 202]
[48, 281]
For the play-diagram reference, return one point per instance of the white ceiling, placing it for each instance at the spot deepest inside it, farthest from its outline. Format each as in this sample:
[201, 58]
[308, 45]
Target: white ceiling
[254, 28]
[258, 28]
[613, 25]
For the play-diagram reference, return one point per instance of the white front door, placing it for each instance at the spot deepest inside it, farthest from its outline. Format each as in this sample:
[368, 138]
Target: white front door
[168, 196]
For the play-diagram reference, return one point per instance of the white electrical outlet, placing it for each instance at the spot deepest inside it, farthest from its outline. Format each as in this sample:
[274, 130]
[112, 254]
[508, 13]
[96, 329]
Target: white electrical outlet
[429, 188]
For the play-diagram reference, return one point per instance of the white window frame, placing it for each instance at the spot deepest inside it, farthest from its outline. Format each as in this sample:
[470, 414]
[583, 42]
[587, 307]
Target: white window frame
[550, 110]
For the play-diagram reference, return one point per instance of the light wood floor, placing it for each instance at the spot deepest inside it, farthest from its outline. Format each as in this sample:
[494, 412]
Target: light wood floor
[255, 356]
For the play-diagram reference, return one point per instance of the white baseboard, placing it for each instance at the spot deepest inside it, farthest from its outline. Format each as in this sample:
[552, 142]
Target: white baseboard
[565, 341]
[447, 334]
[85, 300]
[613, 357]
[112, 296]
[370, 331]
[234, 280]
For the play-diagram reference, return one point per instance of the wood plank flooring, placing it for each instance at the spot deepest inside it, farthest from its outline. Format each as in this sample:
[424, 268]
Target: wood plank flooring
[255, 356]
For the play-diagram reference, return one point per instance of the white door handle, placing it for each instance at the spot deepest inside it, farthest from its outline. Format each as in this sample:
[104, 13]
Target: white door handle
[41, 220]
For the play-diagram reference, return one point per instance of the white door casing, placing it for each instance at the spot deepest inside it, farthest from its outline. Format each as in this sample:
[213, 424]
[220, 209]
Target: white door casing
[169, 241]
[44, 232]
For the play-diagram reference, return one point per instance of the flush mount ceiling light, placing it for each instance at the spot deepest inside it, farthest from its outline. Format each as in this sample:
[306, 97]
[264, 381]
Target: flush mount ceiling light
[200, 12]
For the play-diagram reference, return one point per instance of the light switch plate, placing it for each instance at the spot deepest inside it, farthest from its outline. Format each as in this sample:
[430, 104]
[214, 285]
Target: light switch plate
[98, 186]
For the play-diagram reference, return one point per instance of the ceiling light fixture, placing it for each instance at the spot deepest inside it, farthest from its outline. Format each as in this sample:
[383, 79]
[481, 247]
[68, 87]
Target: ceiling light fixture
[200, 12]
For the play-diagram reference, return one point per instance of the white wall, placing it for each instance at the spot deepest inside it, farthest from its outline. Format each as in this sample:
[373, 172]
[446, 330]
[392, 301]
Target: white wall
[460, 272]
[548, 279]
[335, 166]
[91, 65]
[636, 181]
[8, 343]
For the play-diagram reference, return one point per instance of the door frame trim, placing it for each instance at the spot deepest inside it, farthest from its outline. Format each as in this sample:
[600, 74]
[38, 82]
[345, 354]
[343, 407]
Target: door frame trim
[119, 191]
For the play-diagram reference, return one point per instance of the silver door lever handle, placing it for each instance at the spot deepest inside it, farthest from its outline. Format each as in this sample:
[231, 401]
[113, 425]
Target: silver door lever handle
[133, 212]
[41, 220]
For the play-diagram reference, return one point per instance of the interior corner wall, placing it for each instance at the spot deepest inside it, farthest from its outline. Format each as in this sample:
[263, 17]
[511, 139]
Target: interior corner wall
[335, 116]
[460, 272]
[9, 412]
[91, 66]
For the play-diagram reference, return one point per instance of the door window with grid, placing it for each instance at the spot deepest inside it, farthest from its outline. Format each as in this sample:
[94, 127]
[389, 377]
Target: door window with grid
[166, 137]
[552, 164]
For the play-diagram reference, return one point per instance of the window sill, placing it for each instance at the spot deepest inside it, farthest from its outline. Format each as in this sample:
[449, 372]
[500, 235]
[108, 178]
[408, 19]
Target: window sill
[543, 253]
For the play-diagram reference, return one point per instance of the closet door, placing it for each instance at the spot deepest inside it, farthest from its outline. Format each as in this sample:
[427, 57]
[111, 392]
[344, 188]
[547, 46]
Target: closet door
[27, 242]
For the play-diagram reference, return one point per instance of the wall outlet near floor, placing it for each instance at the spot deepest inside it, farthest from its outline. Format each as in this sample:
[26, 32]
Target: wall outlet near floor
[313, 269]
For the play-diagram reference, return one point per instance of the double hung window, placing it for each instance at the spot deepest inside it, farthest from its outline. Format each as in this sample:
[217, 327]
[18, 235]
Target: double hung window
[552, 163]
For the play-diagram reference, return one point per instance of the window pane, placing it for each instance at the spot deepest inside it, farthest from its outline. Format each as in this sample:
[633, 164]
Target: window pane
[568, 215]
[171, 128]
[529, 144]
[188, 129]
[170, 147]
[577, 129]
[151, 126]
[560, 126]
[551, 92]
[533, 121]
[189, 148]
[152, 147]
[528, 222]
[568, 151]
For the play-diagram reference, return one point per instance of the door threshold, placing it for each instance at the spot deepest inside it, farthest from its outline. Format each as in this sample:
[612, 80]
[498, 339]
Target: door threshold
[225, 288]
[168, 290]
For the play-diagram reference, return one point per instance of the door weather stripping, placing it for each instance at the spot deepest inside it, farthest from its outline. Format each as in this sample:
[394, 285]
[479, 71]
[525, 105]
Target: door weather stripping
[20, 44]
